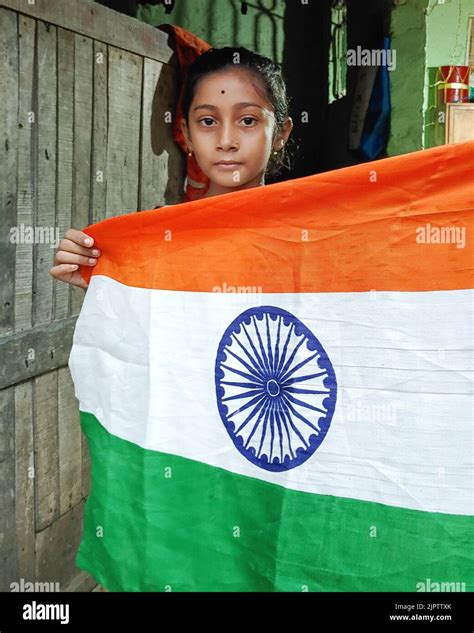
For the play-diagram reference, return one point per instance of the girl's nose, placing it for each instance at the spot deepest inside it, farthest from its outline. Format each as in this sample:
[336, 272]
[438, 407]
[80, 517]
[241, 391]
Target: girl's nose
[228, 139]
[228, 145]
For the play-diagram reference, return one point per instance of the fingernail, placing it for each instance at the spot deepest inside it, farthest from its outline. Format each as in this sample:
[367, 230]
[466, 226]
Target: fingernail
[88, 241]
[95, 252]
[91, 260]
[74, 266]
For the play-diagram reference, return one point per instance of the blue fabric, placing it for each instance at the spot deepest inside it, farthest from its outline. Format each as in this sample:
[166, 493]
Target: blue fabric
[376, 130]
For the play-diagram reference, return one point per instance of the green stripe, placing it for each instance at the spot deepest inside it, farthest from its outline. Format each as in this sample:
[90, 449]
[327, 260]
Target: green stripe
[206, 529]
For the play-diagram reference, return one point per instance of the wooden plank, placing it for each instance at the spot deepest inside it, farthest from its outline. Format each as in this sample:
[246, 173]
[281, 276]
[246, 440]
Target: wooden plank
[26, 174]
[56, 548]
[46, 450]
[44, 245]
[8, 544]
[24, 480]
[83, 73]
[34, 352]
[459, 122]
[125, 88]
[80, 582]
[70, 462]
[162, 163]
[99, 144]
[100, 23]
[8, 158]
[65, 149]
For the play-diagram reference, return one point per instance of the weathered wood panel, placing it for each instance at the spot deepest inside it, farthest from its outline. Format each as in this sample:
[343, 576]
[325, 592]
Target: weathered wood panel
[26, 172]
[8, 162]
[8, 543]
[95, 21]
[25, 480]
[36, 351]
[81, 581]
[125, 88]
[83, 69]
[62, 291]
[45, 120]
[56, 548]
[69, 432]
[99, 145]
[46, 449]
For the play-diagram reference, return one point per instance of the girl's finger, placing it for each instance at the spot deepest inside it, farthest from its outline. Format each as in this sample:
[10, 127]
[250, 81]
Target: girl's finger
[63, 257]
[79, 237]
[72, 247]
[68, 273]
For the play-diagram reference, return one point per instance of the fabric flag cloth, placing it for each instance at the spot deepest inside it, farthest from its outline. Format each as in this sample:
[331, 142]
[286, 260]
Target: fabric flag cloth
[275, 385]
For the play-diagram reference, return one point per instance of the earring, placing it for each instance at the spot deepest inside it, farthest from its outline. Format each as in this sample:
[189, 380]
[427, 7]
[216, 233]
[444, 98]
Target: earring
[190, 153]
[276, 151]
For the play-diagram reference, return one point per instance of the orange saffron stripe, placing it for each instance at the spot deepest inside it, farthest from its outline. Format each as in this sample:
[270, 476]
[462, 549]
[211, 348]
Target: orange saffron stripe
[392, 224]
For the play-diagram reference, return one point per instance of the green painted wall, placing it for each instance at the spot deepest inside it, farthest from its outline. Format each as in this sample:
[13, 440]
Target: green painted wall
[447, 32]
[408, 27]
[220, 23]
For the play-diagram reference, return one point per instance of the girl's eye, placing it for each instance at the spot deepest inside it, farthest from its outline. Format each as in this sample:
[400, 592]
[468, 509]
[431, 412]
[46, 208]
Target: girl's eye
[208, 121]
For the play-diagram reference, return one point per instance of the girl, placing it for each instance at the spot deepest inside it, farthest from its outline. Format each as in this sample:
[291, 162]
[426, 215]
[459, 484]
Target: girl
[235, 121]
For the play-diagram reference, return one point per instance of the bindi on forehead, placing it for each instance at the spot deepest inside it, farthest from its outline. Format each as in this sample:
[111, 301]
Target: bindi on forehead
[222, 91]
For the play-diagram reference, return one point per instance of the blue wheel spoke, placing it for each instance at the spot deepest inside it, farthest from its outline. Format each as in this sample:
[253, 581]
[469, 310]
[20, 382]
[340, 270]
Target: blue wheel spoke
[269, 345]
[285, 347]
[241, 384]
[260, 405]
[252, 360]
[264, 356]
[290, 360]
[246, 365]
[272, 433]
[301, 403]
[299, 415]
[246, 394]
[257, 355]
[291, 381]
[255, 426]
[277, 343]
[296, 367]
[267, 413]
[297, 390]
[246, 406]
[285, 408]
[280, 413]
[277, 419]
[239, 373]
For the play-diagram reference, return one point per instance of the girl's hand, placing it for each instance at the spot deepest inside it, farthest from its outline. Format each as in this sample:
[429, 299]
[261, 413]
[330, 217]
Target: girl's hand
[76, 248]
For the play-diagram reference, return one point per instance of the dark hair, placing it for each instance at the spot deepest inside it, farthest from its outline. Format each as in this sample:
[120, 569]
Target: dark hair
[263, 68]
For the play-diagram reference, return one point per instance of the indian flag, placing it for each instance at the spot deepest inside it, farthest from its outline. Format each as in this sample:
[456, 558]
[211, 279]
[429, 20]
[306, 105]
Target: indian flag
[276, 385]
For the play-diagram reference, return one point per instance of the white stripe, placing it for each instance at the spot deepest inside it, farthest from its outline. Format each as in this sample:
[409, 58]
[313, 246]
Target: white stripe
[143, 361]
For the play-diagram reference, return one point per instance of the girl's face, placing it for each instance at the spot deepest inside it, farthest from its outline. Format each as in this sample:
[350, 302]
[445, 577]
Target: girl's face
[231, 120]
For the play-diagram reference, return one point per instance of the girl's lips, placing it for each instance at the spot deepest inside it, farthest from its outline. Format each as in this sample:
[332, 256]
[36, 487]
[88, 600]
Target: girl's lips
[228, 166]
